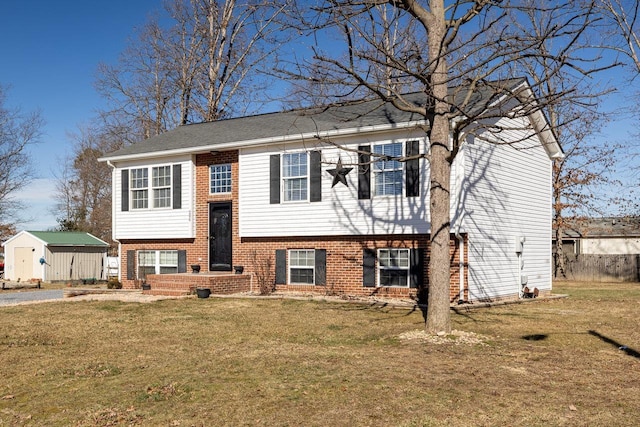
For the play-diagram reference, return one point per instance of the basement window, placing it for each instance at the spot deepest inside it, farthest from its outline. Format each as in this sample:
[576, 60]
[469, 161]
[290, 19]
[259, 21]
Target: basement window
[302, 266]
[157, 262]
[393, 267]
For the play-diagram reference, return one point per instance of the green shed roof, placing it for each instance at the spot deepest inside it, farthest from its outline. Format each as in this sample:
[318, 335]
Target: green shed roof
[68, 238]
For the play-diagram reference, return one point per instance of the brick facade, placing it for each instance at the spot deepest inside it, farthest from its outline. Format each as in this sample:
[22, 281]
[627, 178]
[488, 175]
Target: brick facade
[344, 254]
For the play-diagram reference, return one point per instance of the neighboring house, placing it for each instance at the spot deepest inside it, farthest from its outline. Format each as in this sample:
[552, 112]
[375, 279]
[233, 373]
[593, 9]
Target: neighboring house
[54, 255]
[602, 236]
[301, 199]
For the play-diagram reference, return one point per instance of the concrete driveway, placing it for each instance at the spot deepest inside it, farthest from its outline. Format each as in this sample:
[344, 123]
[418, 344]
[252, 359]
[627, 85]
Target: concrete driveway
[12, 298]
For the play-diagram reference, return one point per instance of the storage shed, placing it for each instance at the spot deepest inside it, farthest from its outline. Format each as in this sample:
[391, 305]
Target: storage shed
[54, 255]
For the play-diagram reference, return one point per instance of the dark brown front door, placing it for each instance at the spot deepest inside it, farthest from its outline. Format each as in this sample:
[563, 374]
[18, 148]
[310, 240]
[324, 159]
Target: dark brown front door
[220, 236]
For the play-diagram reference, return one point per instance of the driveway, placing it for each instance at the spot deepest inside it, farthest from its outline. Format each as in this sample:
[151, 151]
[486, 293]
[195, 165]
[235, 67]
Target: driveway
[12, 298]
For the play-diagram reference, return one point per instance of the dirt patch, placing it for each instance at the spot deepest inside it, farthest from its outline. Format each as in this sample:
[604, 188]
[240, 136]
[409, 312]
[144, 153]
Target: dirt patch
[454, 338]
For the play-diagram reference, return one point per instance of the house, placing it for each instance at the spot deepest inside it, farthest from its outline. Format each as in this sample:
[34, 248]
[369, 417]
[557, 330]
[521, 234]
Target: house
[601, 249]
[602, 236]
[52, 256]
[300, 199]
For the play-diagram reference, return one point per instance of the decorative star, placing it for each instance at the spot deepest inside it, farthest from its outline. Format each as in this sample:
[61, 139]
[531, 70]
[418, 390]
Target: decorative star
[339, 174]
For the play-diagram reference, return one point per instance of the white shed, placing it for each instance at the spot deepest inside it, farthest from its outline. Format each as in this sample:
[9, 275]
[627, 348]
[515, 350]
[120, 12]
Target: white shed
[54, 255]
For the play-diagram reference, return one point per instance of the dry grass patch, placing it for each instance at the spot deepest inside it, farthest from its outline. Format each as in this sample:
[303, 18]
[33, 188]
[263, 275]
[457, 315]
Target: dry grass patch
[279, 362]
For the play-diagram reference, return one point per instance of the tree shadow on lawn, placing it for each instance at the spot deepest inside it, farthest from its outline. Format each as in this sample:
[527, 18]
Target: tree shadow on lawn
[629, 351]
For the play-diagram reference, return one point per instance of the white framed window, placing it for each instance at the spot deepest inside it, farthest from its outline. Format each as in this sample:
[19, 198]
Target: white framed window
[157, 262]
[393, 267]
[302, 266]
[161, 184]
[295, 177]
[388, 173]
[139, 188]
[220, 179]
[151, 187]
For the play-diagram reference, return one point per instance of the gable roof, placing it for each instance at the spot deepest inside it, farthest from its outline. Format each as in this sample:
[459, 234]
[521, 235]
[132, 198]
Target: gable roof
[64, 238]
[328, 121]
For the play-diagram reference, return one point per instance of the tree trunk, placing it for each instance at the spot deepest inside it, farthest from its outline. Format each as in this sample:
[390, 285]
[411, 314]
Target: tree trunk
[438, 316]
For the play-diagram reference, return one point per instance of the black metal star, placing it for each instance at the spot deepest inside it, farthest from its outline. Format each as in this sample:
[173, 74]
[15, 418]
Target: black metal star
[339, 174]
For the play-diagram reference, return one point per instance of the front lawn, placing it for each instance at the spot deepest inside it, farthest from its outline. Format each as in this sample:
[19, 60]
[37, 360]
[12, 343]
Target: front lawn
[198, 362]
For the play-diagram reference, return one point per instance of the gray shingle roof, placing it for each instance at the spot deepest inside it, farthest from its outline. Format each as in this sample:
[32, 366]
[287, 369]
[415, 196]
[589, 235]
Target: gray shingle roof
[603, 227]
[296, 123]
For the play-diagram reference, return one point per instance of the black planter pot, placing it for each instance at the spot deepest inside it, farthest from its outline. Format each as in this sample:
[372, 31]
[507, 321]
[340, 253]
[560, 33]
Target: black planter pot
[238, 269]
[203, 292]
[195, 268]
[146, 287]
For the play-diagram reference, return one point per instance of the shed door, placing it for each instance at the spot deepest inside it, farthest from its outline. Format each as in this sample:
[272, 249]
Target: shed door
[23, 263]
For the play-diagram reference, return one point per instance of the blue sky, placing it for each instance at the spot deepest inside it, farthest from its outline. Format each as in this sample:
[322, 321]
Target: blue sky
[49, 52]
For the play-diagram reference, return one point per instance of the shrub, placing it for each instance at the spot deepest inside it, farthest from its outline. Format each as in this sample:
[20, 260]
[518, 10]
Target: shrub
[114, 283]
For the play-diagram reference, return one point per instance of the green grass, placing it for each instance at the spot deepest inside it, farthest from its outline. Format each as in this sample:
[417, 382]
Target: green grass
[291, 363]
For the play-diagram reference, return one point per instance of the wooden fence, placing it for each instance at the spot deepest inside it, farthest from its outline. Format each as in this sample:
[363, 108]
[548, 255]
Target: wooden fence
[603, 268]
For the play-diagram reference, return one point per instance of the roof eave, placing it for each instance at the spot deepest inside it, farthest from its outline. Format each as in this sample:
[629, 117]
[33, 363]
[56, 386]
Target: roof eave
[342, 133]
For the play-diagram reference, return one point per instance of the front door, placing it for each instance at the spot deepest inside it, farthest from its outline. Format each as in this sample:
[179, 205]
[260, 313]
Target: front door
[220, 236]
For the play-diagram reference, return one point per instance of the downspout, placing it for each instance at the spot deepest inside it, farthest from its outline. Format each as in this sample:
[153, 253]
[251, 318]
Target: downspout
[522, 281]
[460, 238]
[113, 219]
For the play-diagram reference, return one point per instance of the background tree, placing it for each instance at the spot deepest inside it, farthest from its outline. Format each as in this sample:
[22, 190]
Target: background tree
[17, 131]
[84, 186]
[200, 62]
[203, 66]
[576, 120]
[623, 36]
[455, 45]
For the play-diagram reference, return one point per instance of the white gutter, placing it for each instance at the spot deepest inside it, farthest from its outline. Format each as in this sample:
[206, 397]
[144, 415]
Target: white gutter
[266, 141]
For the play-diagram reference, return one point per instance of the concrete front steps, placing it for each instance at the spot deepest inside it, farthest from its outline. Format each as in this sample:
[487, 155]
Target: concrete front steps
[220, 283]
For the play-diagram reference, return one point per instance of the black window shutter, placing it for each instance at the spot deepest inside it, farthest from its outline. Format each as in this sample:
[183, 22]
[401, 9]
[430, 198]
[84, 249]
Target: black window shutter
[281, 266]
[321, 267]
[182, 261]
[412, 169]
[125, 190]
[416, 268]
[274, 179]
[131, 265]
[364, 172]
[369, 268]
[315, 172]
[177, 186]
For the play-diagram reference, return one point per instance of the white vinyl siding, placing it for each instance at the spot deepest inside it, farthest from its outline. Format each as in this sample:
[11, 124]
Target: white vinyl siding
[156, 223]
[340, 212]
[506, 194]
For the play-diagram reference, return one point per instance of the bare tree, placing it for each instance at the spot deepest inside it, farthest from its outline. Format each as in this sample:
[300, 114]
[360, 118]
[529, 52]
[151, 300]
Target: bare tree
[200, 64]
[453, 52]
[84, 186]
[202, 67]
[624, 16]
[622, 25]
[576, 119]
[139, 88]
[17, 131]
